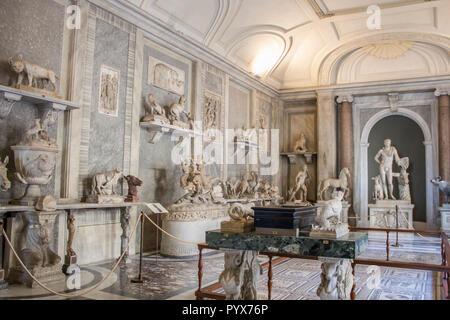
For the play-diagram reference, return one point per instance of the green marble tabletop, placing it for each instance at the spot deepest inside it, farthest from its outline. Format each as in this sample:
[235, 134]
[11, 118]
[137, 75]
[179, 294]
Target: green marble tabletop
[346, 247]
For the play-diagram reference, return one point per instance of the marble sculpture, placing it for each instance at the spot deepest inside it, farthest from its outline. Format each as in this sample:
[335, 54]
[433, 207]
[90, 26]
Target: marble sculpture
[385, 158]
[154, 110]
[342, 182]
[199, 185]
[444, 186]
[133, 183]
[6, 184]
[300, 188]
[103, 187]
[38, 77]
[300, 144]
[329, 218]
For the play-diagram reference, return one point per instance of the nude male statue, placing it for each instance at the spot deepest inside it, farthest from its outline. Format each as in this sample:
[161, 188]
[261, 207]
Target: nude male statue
[300, 185]
[388, 153]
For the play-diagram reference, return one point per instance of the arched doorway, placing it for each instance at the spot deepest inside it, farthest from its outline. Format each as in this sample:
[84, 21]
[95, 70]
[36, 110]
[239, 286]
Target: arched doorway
[408, 138]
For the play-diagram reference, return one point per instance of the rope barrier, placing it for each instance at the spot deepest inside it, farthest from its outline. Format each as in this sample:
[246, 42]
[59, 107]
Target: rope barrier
[80, 293]
[168, 234]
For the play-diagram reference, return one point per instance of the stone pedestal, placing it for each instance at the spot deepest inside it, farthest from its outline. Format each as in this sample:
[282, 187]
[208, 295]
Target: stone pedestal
[336, 279]
[33, 243]
[105, 199]
[190, 222]
[445, 218]
[383, 215]
[344, 213]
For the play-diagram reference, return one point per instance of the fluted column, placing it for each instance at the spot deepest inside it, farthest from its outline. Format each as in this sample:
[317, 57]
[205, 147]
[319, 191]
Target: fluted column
[444, 132]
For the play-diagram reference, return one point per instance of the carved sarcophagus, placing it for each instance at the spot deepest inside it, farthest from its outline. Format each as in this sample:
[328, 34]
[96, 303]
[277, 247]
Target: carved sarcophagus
[284, 217]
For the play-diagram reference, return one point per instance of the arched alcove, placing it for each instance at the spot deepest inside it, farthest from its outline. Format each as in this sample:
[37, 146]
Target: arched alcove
[407, 137]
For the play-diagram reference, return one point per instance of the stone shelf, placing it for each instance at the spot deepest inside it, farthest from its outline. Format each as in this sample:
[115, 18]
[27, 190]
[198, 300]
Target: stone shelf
[9, 96]
[81, 206]
[292, 156]
[156, 130]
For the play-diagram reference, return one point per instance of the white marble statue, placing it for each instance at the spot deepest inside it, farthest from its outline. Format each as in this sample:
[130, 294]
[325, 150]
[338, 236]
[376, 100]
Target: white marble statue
[403, 180]
[241, 212]
[33, 72]
[6, 184]
[300, 144]
[300, 188]
[328, 218]
[105, 183]
[342, 182]
[377, 188]
[336, 279]
[154, 110]
[240, 276]
[199, 185]
[385, 158]
[444, 186]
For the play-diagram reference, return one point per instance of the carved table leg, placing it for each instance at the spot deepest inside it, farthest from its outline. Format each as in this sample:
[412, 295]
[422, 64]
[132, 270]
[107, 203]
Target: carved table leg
[269, 280]
[336, 279]
[35, 249]
[200, 270]
[125, 223]
[3, 283]
[70, 260]
[241, 273]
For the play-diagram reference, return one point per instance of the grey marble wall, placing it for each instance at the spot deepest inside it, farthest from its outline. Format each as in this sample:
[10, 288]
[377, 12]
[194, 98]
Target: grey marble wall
[106, 137]
[35, 30]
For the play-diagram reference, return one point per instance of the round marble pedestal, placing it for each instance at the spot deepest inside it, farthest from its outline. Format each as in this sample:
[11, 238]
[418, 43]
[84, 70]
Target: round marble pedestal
[190, 222]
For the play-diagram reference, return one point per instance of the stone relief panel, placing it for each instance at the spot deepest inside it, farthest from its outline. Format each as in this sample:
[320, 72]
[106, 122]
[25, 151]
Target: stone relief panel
[211, 113]
[165, 76]
[108, 97]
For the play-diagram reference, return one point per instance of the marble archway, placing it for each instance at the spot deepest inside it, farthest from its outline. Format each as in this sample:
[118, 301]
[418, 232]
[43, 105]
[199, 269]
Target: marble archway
[363, 156]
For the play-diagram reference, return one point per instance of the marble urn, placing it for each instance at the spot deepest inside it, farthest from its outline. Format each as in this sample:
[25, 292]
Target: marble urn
[34, 167]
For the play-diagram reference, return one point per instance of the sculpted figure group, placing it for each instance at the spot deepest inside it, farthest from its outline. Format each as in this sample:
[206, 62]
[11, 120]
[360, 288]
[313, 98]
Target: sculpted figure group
[198, 184]
[384, 182]
[250, 187]
[175, 113]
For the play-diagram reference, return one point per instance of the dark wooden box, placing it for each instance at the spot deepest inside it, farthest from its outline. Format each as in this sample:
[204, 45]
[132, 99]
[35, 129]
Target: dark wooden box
[284, 217]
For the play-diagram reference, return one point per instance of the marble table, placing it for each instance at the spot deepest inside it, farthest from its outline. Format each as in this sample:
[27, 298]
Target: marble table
[242, 269]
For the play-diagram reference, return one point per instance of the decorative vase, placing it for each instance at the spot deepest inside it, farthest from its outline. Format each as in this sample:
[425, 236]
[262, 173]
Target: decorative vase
[34, 167]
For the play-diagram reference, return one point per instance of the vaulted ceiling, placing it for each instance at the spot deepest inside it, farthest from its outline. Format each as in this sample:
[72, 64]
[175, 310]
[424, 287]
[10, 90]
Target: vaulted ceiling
[294, 44]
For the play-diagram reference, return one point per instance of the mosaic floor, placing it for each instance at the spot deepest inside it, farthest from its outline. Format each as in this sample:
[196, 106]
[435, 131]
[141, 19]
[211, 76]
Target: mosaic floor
[294, 279]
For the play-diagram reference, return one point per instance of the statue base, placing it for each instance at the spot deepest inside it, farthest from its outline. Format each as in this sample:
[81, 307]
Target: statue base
[180, 124]
[132, 199]
[339, 231]
[190, 221]
[43, 274]
[155, 119]
[237, 226]
[297, 203]
[382, 214]
[104, 199]
[41, 92]
[445, 218]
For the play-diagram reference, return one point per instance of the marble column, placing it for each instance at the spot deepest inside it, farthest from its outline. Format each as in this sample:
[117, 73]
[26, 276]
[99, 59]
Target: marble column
[3, 283]
[326, 135]
[444, 132]
[346, 150]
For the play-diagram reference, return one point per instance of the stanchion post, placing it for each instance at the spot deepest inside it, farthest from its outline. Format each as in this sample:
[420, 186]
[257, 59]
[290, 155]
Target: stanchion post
[3, 283]
[396, 227]
[140, 278]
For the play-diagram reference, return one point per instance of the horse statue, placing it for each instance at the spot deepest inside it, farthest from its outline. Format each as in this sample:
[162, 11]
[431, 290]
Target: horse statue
[342, 182]
[444, 186]
[133, 183]
[104, 183]
[6, 184]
